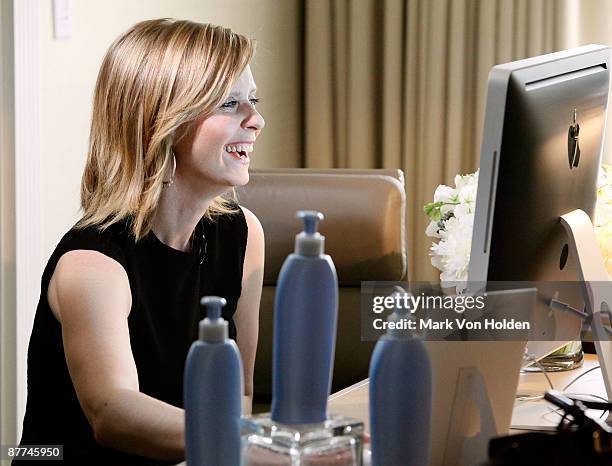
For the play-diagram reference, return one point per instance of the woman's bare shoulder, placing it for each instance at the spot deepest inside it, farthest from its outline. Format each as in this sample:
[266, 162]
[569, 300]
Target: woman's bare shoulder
[253, 223]
[89, 277]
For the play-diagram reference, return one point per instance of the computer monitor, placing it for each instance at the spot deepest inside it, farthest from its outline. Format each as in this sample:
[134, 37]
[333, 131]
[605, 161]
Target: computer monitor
[540, 156]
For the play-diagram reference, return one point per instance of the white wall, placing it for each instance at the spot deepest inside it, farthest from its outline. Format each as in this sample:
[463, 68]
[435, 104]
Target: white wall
[27, 183]
[8, 359]
[69, 69]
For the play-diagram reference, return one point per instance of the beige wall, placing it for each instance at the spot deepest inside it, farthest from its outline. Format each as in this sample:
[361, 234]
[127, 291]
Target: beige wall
[69, 69]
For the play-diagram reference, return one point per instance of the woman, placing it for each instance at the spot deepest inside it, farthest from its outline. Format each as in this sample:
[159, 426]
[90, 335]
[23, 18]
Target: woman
[174, 121]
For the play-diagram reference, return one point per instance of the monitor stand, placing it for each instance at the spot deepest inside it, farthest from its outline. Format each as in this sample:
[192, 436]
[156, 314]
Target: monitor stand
[596, 287]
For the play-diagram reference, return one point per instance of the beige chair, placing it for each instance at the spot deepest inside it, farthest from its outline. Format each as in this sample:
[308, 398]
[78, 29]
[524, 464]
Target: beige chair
[364, 231]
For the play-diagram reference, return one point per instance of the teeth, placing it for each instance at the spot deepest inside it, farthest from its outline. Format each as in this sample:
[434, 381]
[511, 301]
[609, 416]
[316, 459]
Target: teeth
[239, 148]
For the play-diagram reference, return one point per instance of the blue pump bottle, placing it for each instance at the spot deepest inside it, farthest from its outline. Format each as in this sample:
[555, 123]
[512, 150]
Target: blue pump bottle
[213, 387]
[400, 398]
[305, 321]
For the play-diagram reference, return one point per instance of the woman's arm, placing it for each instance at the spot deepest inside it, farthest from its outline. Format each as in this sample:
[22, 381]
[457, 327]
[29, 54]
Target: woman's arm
[89, 294]
[247, 310]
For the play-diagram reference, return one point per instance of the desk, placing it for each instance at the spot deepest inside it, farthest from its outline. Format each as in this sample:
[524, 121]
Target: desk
[353, 401]
[540, 415]
[527, 415]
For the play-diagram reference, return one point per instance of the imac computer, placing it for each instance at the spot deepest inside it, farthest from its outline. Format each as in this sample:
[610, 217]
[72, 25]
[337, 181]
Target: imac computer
[540, 157]
[541, 152]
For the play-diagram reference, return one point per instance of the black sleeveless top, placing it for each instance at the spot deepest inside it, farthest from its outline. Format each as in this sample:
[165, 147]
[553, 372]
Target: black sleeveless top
[166, 285]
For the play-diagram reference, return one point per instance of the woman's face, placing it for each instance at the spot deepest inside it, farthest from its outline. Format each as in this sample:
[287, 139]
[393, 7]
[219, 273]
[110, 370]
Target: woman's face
[218, 149]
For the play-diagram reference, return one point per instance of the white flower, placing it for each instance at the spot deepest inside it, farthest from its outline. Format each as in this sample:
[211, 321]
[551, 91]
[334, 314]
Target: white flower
[452, 223]
[448, 196]
[445, 194]
[603, 211]
[436, 260]
[432, 230]
[463, 209]
[453, 250]
[603, 215]
[467, 195]
[602, 181]
[466, 180]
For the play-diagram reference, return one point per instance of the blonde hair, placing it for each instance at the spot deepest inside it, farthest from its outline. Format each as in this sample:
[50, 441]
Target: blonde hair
[156, 77]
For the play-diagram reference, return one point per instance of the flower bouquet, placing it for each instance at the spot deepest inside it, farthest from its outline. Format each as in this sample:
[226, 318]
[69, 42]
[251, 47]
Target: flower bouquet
[451, 223]
[451, 216]
[603, 216]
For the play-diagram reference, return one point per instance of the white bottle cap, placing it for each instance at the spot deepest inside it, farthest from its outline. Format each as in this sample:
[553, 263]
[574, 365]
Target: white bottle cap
[214, 327]
[398, 314]
[310, 242]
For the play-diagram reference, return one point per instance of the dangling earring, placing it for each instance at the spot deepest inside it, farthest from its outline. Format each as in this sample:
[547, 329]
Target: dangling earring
[170, 182]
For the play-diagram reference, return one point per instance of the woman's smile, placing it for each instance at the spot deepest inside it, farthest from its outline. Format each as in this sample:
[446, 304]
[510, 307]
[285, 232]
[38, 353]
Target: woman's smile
[240, 151]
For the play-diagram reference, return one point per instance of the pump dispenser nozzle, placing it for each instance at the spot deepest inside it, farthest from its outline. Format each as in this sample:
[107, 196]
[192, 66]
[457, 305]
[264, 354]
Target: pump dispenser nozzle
[213, 327]
[311, 220]
[398, 313]
[310, 242]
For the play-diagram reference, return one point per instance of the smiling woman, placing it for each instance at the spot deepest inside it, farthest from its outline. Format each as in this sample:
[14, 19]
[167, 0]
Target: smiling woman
[164, 87]
[174, 121]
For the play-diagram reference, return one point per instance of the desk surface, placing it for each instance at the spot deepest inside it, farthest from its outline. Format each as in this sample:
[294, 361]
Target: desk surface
[541, 415]
[527, 415]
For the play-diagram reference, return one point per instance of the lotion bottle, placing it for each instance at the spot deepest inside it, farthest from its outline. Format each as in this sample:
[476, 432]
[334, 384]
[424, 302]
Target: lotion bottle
[400, 398]
[305, 320]
[299, 431]
[213, 387]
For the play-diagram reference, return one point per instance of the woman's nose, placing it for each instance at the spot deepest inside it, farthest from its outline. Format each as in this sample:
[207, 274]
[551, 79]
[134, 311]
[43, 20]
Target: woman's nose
[254, 120]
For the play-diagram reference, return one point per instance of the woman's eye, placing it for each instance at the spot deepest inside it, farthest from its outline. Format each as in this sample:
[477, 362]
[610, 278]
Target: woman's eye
[229, 104]
[234, 103]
